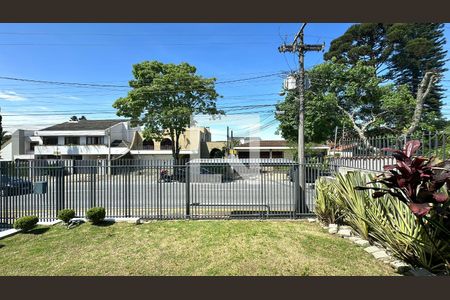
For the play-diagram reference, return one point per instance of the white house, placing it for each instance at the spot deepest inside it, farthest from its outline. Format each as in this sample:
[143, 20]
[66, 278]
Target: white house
[85, 139]
[19, 146]
[100, 139]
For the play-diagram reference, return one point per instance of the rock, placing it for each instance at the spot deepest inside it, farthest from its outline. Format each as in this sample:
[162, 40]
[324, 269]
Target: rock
[345, 232]
[332, 230]
[125, 220]
[333, 226]
[372, 249]
[381, 255]
[362, 243]
[400, 266]
[345, 227]
[420, 272]
[354, 239]
[311, 220]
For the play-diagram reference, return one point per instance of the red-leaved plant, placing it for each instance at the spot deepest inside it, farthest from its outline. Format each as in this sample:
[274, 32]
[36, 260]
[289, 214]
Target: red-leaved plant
[418, 182]
[414, 180]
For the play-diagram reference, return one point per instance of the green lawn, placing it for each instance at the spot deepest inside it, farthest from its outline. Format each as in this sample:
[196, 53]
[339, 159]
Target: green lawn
[186, 248]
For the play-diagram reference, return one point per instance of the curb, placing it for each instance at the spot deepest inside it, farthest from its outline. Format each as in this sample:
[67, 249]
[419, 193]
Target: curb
[115, 220]
[13, 231]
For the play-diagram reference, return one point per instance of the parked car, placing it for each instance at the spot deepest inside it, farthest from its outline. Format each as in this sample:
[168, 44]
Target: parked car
[311, 173]
[10, 186]
[179, 174]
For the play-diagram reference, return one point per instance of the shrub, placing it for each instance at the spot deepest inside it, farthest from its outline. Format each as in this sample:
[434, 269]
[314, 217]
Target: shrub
[96, 215]
[421, 184]
[26, 223]
[384, 220]
[396, 228]
[66, 214]
[326, 207]
[351, 202]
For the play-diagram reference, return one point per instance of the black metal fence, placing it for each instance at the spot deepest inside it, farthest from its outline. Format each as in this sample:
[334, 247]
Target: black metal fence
[153, 189]
[369, 155]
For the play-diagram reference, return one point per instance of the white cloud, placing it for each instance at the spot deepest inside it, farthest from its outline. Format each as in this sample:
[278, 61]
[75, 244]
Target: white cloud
[11, 96]
[12, 123]
[69, 97]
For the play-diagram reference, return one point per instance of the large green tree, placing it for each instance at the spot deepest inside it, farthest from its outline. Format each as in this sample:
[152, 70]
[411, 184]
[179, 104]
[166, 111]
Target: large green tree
[352, 96]
[164, 97]
[400, 52]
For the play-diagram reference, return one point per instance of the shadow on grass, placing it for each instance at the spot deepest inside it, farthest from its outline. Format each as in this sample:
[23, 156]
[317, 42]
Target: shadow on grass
[1, 246]
[37, 231]
[104, 224]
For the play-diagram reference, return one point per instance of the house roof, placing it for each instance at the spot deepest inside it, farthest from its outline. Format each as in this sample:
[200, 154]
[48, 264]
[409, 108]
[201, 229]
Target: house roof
[272, 143]
[84, 125]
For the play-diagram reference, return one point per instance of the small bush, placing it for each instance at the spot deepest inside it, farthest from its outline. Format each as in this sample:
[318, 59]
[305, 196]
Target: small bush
[66, 214]
[96, 215]
[26, 223]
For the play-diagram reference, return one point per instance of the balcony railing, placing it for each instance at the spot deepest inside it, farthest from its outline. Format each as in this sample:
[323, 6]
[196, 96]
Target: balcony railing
[78, 150]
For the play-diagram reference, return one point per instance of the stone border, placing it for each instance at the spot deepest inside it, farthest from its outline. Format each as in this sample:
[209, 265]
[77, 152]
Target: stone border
[12, 231]
[378, 252]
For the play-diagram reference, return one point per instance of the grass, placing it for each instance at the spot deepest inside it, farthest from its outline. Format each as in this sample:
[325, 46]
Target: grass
[186, 248]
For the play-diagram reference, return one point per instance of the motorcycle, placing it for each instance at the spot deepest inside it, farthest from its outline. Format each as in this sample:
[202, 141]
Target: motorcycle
[165, 177]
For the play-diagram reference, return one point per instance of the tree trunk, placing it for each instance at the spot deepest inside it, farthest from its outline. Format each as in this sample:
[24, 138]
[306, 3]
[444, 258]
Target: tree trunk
[423, 91]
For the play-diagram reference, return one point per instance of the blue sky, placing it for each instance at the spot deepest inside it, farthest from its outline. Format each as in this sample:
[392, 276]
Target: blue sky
[104, 54]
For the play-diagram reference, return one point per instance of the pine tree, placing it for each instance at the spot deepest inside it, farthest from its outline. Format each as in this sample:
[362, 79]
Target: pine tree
[418, 48]
[365, 43]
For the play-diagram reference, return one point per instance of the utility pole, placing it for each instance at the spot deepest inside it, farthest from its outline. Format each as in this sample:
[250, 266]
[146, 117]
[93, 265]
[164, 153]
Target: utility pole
[298, 46]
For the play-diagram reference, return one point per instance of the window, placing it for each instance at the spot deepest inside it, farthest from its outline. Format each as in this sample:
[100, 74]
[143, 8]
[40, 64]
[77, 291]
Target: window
[148, 145]
[50, 140]
[94, 140]
[72, 140]
[166, 144]
[33, 144]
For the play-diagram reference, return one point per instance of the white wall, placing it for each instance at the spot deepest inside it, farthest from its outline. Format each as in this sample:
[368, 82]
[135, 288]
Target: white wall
[6, 152]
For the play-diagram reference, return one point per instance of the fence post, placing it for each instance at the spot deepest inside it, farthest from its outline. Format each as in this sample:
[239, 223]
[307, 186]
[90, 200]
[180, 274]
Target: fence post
[443, 146]
[128, 191]
[60, 187]
[92, 181]
[188, 190]
[297, 191]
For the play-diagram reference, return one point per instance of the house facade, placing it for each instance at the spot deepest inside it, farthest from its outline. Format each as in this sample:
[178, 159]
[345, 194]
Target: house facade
[100, 139]
[20, 146]
[85, 139]
[264, 149]
[193, 144]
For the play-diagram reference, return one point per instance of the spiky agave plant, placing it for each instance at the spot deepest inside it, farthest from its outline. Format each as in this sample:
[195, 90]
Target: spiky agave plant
[326, 207]
[418, 182]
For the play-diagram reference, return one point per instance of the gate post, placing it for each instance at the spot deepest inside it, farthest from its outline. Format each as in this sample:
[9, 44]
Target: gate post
[188, 196]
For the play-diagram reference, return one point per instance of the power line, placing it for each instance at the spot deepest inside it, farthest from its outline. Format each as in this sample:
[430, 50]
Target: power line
[79, 84]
